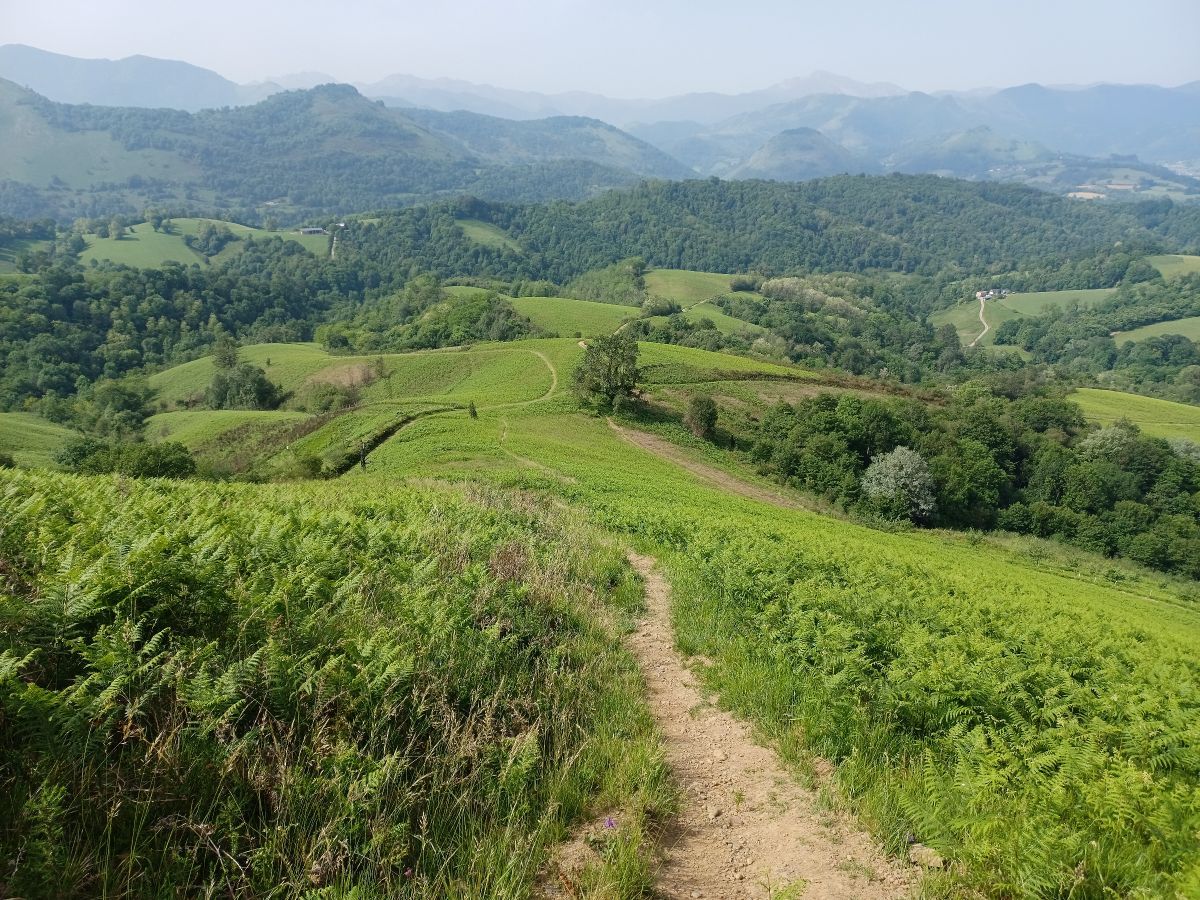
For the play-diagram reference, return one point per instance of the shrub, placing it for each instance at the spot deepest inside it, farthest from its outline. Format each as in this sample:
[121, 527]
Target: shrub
[701, 416]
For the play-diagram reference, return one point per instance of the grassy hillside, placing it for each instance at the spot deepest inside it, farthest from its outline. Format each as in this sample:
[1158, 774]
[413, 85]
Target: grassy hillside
[502, 373]
[964, 316]
[1034, 303]
[1023, 708]
[30, 439]
[1189, 328]
[1157, 418]
[232, 440]
[566, 316]
[412, 692]
[725, 323]
[921, 662]
[488, 235]
[143, 247]
[686, 287]
[1172, 266]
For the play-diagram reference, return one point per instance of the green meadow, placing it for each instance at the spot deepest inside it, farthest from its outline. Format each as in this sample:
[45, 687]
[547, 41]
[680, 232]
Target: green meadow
[919, 663]
[1036, 302]
[565, 316]
[1021, 707]
[725, 323]
[1157, 418]
[964, 316]
[143, 247]
[30, 439]
[1189, 328]
[1174, 265]
[686, 287]
[488, 235]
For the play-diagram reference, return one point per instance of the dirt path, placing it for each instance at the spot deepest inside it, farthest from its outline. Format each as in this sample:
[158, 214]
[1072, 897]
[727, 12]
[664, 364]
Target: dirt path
[664, 449]
[984, 323]
[746, 828]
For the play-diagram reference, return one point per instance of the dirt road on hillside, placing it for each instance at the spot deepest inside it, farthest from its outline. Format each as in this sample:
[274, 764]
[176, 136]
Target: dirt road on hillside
[746, 828]
[984, 323]
[664, 449]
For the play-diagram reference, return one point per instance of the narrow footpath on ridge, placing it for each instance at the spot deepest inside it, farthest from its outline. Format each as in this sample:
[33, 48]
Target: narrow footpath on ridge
[746, 828]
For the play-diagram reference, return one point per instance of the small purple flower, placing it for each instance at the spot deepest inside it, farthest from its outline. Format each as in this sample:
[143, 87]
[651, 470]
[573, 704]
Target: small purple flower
[408, 873]
[610, 822]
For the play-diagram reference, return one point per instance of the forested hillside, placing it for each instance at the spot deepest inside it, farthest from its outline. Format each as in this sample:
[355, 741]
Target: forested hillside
[917, 243]
[325, 151]
[910, 224]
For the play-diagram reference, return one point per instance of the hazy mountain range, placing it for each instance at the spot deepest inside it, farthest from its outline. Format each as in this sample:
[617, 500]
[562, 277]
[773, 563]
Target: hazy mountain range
[413, 137]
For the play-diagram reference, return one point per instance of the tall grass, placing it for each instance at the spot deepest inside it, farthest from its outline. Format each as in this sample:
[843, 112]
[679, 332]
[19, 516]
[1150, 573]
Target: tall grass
[1037, 726]
[324, 690]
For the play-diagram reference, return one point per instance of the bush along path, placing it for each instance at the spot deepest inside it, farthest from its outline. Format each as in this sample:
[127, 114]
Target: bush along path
[745, 828]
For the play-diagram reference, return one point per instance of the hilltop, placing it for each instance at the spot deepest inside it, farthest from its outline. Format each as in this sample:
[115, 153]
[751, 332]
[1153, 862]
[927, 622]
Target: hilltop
[297, 153]
[1106, 142]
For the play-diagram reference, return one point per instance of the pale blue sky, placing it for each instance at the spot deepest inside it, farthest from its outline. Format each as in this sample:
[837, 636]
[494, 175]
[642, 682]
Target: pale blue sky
[638, 48]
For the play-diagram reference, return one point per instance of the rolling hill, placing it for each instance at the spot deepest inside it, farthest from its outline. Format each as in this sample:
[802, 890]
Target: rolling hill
[142, 81]
[143, 247]
[799, 154]
[295, 154]
[1060, 140]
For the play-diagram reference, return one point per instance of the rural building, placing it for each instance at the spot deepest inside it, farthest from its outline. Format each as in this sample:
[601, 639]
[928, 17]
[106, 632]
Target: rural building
[993, 294]
[313, 231]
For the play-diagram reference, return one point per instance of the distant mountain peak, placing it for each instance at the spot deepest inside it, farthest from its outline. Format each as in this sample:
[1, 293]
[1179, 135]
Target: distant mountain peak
[824, 82]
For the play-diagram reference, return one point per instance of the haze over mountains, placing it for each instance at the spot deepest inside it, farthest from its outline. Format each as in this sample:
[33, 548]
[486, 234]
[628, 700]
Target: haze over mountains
[404, 138]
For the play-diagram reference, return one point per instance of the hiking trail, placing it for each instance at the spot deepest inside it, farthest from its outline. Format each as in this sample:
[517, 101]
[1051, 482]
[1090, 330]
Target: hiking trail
[745, 829]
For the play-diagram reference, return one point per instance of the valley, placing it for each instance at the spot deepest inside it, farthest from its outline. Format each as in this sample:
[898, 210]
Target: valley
[423, 489]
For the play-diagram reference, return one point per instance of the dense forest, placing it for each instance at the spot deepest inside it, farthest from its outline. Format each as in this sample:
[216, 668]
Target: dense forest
[1026, 464]
[921, 225]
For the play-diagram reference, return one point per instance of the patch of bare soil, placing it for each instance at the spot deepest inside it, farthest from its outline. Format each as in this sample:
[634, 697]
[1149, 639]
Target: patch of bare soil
[746, 828]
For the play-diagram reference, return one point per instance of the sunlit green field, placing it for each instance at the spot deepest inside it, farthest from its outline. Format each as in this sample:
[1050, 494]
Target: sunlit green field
[565, 316]
[488, 234]
[964, 316]
[1157, 418]
[1025, 708]
[686, 287]
[1189, 328]
[30, 439]
[1172, 266]
[1035, 303]
[916, 661]
[143, 247]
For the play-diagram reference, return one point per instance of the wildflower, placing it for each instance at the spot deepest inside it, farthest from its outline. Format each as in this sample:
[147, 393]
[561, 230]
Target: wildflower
[610, 822]
[408, 873]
